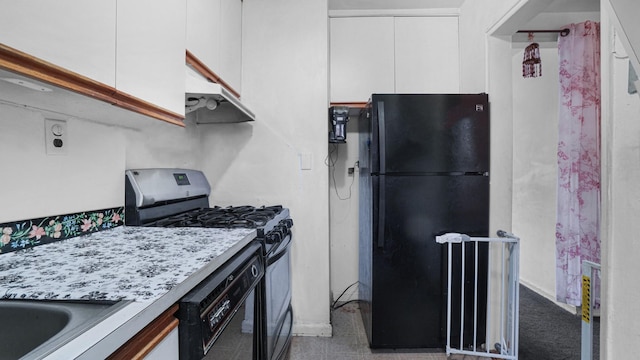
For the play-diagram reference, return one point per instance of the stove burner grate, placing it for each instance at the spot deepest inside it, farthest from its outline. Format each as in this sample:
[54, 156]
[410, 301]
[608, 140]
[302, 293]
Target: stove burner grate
[219, 217]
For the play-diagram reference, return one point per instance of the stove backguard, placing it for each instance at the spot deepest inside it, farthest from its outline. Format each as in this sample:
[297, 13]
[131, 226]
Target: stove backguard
[155, 193]
[134, 215]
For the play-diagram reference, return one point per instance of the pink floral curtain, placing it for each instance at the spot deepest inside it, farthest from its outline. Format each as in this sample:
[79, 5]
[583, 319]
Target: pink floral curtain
[578, 212]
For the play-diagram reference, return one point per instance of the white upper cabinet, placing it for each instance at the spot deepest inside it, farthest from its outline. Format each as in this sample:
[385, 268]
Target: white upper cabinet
[77, 35]
[361, 58]
[231, 43]
[427, 55]
[151, 51]
[214, 36]
[393, 55]
[203, 29]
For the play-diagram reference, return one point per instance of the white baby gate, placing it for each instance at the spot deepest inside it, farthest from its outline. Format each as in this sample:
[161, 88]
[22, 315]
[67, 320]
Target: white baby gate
[501, 329]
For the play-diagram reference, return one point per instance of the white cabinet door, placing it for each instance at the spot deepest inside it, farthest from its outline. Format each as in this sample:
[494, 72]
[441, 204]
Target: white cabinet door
[427, 55]
[150, 54]
[77, 35]
[203, 29]
[214, 36]
[361, 58]
[231, 43]
[167, 349]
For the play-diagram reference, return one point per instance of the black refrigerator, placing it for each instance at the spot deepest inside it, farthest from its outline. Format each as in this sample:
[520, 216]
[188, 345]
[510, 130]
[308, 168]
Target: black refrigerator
[424, 171]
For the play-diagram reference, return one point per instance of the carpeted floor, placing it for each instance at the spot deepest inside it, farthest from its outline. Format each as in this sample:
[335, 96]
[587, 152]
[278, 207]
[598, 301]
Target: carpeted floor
[548, 332]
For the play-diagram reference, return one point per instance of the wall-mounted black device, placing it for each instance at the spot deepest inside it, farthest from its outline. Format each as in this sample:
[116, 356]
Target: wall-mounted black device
[338, 118]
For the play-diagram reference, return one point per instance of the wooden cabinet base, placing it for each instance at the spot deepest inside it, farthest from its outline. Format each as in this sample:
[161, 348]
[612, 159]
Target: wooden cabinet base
[148, 338]
[37, 69]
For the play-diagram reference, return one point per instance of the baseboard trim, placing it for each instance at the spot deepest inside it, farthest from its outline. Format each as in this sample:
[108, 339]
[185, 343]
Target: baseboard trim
[570, 308]
[317, 329]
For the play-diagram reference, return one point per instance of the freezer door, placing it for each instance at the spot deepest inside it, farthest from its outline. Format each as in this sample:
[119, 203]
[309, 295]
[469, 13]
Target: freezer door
[407, 306]
[430, 133]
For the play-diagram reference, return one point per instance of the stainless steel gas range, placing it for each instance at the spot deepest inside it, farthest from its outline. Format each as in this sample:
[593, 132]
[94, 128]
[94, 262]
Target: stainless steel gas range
[162, 197]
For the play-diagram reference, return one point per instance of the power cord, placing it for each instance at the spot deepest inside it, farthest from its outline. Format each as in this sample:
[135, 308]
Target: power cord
[331, 163]
[345, 303]
[334, 307]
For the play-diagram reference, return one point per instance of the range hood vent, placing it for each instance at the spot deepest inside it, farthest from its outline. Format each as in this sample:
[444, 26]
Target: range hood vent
[207, 102]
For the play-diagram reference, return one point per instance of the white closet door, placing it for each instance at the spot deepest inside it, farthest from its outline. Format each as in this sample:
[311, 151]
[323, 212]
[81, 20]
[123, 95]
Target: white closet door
[427, 55]
[362, 58]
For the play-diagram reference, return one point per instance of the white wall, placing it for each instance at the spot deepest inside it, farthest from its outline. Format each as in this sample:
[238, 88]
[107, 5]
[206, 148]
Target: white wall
[343, 198]
[35, 184]
[535, 117]
[621, 201]
[535, 138]
[159, 144]
[476, 17]
[91, 175]
[626, 12]
[285, 82]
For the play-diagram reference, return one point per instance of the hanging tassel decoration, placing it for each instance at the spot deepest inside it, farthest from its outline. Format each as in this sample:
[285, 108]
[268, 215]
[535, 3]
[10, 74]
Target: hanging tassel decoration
[532, 63]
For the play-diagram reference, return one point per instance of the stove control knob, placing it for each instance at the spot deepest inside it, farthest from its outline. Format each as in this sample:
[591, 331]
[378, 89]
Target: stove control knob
[269, 238]
[274, 236]
[288, 223]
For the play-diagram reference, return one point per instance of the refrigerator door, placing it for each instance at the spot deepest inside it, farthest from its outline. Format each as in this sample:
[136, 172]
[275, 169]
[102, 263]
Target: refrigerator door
[407, 307]
[430, 133]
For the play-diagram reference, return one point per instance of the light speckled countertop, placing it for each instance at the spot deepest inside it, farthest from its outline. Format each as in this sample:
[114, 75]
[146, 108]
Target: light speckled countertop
[152, 267]
[130, 263]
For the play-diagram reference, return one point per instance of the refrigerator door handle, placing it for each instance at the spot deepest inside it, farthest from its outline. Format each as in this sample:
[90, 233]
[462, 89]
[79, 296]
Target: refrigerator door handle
[382, 140]
[381, 211]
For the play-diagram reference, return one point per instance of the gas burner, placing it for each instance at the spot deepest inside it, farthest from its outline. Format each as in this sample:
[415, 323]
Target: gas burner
[223, 217]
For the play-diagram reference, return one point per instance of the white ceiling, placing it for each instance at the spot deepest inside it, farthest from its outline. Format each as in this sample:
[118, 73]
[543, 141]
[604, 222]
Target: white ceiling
[558, 15]
[573, 6]
[555, 7]
[393, 4]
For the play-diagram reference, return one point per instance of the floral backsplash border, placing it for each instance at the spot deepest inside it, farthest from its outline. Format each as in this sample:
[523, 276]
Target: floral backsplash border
[29, 233]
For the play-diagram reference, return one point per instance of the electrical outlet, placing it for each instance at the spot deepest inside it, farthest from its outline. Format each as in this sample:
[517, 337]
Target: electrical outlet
[350, 171]
[55, 136]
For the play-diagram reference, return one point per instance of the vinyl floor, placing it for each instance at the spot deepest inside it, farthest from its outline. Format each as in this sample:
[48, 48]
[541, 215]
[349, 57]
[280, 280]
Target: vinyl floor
[349, 342]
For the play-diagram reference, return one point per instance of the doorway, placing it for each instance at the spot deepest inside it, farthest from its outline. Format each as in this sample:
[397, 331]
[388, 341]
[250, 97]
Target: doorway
[534, 110]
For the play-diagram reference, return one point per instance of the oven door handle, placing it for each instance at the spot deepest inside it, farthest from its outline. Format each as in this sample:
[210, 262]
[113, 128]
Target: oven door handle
[282, 250]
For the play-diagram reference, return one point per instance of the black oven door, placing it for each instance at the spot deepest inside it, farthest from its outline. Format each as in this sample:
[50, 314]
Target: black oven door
[279, 316]
[234, 342]
[211, 314]
[278, 324]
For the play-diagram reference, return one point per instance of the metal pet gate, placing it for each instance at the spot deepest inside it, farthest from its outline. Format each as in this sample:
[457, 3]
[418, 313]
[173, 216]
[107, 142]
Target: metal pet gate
[487, 327]
[589, 271]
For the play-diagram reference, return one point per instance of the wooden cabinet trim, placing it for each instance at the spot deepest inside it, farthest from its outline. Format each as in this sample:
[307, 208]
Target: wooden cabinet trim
[148, 338]
[24, 64]
[353, 104]
[200, 67]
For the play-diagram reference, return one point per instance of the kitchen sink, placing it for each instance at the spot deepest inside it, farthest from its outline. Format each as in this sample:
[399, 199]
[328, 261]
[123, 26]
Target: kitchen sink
[34, 328]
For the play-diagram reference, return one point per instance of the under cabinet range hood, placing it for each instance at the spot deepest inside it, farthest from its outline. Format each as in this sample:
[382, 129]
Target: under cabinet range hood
[207, 102]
